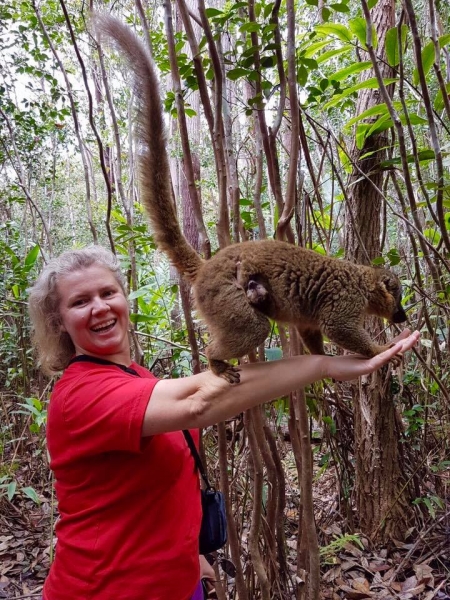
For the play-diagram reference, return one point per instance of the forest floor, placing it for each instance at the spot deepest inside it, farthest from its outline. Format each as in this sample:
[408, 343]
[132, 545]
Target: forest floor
[416, 569]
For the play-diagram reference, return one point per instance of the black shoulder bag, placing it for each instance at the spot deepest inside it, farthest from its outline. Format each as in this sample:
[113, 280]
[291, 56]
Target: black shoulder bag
[213, 532]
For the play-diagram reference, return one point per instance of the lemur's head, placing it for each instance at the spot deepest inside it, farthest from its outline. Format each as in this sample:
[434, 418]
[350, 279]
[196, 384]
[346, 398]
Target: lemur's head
[386, 299]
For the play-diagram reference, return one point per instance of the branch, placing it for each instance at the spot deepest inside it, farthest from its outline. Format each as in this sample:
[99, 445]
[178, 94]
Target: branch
[76, 123]
[431, 123]
[187, 156]
[92, 124]
[289, 204]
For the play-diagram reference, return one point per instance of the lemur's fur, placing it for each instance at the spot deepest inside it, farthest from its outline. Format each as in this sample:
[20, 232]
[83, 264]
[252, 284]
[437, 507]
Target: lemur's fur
[243, 285]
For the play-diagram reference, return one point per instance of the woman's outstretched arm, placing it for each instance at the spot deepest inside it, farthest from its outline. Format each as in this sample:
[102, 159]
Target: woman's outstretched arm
[205, 399]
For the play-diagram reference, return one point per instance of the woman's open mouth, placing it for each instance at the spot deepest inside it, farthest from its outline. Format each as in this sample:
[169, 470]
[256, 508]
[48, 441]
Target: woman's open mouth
[104, 327]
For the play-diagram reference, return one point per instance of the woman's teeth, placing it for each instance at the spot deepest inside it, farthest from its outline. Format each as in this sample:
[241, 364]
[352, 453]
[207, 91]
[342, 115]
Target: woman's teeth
[104, 326]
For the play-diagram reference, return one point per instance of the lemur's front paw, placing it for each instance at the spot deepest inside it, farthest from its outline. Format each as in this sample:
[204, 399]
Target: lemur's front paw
[225, 370]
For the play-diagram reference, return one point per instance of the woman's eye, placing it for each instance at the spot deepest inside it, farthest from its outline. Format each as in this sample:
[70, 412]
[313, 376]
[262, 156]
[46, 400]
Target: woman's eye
[79, 302]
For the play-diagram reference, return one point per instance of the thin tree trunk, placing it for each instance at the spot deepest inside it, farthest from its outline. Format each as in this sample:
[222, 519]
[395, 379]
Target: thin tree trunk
[381, 498]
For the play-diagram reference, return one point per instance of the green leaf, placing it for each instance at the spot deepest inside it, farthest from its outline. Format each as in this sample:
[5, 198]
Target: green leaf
[362, 132]
[372, 3]
[340, 7]
[14, 258]
[314, 48]
[32, 255]
[394, 257]
[427, 58]
[331, 53]
[391, 46]
[363, 85]
[359, 27]
[249, 27]
[439, 100]
[354, 68]
[326, 13]
[335, 29]
[414, 119]
[432, 235]
[31, 493]
[237, 73]
[267, 9]
[430, 507]
[302, 75]
[268, 62]
[11, 490]
[379, 109]
[385, 122]
[213, 12]
[423, 155]
[331, 423]
[344, 157]
[444, 40]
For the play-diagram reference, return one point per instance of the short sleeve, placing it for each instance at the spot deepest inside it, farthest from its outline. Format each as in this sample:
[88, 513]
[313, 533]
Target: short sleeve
[104, 412]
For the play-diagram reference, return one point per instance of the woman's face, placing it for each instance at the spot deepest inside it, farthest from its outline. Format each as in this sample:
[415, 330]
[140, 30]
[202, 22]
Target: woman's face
[94, 312]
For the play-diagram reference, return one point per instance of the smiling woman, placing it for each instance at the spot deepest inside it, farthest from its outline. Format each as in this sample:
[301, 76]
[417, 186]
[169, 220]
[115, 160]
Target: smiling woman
[55, 347]
[94, 313]
[127, 488]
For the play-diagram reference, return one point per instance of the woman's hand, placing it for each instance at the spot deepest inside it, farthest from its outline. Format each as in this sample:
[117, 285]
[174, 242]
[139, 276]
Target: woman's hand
[208, 576]
[352, 366]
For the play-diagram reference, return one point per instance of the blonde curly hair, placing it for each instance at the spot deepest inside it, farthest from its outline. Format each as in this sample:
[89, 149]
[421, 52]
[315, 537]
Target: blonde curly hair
[55, 347]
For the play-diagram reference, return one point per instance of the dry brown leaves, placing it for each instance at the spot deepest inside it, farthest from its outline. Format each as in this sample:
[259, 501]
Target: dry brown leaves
[359, 574]
[24, 548]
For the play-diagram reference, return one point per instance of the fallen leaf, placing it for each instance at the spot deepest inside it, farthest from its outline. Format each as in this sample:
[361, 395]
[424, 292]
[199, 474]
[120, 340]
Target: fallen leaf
[362, 585]
[413, 592]
[353, 594]
[424, 574]
[409, 584]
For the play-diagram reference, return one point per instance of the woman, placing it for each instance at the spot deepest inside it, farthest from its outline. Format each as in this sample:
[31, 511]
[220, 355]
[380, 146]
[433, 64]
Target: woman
[126, 484]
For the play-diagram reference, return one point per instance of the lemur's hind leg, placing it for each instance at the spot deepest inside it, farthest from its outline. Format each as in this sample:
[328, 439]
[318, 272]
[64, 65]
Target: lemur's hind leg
[235, 326]
[238, 335]
[312, 339]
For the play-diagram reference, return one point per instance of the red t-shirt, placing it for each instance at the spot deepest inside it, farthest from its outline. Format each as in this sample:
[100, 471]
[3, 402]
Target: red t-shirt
[130, 506]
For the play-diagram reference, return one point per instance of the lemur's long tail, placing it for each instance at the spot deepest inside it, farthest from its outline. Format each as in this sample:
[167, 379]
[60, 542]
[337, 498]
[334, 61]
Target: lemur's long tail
[153, 161]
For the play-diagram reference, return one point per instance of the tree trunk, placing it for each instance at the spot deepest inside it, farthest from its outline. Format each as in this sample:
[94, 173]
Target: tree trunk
[382, 502]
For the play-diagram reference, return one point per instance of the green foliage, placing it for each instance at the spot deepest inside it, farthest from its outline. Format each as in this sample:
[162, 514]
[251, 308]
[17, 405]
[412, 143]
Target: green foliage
[36, 411]
[428, 55]
[18, 271]
[392, 46]
[10, 488]
[414, 417]
[329, 553]
[431, 502]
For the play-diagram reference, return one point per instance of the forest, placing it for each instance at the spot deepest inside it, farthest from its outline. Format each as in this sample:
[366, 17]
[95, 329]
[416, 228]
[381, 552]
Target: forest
[324, 123]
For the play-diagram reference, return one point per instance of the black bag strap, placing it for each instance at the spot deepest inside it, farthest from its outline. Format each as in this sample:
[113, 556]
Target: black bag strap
[197, 459]
[103, 361]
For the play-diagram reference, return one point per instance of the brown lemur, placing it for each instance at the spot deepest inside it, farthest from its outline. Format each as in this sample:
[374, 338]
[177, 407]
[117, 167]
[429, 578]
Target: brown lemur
[245, 284]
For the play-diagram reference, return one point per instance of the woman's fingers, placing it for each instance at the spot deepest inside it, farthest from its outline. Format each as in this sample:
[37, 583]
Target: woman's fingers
[401, 345]
[401, 336]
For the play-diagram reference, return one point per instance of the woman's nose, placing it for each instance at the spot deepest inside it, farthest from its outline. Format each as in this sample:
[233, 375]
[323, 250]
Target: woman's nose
[100, 305]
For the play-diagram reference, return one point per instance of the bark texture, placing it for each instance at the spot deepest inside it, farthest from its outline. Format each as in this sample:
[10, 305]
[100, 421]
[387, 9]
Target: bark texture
[380, 494]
